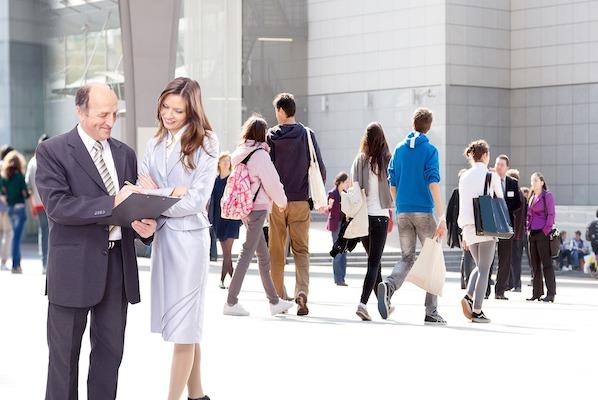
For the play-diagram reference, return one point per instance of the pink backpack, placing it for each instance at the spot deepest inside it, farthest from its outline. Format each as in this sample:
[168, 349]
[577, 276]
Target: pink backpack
[237, 202]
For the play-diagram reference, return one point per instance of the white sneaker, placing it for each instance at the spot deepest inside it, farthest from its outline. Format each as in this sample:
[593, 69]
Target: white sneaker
[281, 307]
[3, 267]
[237, 310]
[362, 312]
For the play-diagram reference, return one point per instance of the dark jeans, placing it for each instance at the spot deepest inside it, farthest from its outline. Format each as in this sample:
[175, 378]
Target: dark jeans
[18, 216]
[505, 251]
[42, 237]
[565, 258]
[541, 262]
[374, 246]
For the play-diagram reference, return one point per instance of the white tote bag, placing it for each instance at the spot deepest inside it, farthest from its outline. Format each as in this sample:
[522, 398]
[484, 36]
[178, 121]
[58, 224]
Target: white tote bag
[359, 226]
[429, 269]
[317, 191]
[351, 200]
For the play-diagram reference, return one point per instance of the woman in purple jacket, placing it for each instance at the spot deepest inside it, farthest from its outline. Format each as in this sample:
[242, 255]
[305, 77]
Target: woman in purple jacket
[540, 220]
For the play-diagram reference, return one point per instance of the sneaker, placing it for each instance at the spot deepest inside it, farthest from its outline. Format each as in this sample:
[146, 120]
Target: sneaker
[301, 301]
[383, 300]
[341, 284]
[221, 286]
[17, 270]
[362, 312]
[237, 310]
[517, 290]
[3, 267]
[434, 320]
[467, 305]
[281, 307]
[480, 318]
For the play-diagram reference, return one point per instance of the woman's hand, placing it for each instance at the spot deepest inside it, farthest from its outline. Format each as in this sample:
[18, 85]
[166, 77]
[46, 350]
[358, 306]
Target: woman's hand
[179, 191]
[146, 182]
[465, 246]
[145, 228]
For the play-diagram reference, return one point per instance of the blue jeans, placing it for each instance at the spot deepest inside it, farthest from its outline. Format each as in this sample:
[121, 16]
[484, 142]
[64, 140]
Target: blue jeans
[42, 237]
[18, 216]
[339, 263]
[576, 256]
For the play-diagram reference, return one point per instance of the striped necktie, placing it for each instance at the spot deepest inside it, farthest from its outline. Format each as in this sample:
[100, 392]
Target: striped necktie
[98, 159]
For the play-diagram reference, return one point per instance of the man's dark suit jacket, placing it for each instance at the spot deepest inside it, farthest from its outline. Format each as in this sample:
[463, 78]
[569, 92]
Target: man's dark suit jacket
[75, 199]
[512, 197]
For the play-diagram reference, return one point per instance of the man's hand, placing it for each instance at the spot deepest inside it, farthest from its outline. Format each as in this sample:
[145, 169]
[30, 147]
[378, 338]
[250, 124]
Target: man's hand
[282, 209]
[441, 228]
[145, 228]
[146, 182]
[125, 192]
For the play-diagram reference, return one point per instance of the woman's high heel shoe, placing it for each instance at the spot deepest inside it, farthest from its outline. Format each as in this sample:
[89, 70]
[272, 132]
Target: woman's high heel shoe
[534, 298]
[547, 299]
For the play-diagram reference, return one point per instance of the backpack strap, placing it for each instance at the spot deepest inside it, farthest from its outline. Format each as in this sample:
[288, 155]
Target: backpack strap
[245, 161]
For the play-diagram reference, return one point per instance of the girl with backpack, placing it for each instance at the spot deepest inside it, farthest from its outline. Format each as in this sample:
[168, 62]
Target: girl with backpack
[249, 194]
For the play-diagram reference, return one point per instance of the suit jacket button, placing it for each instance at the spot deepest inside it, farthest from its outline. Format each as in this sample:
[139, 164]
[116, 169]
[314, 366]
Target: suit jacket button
[105, 252]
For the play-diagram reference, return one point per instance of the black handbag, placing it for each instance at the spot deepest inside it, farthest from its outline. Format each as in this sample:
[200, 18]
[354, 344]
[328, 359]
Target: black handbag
[491, 214]
[553, 236]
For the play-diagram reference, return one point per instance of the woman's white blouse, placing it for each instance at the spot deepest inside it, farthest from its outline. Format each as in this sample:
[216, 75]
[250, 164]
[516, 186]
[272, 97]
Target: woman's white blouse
[471, 186]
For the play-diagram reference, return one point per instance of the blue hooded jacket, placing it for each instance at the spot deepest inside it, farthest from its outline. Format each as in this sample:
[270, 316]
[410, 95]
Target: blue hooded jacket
[413, 167]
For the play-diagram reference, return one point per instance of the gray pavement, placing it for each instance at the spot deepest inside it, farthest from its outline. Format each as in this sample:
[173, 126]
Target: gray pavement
[545, 350]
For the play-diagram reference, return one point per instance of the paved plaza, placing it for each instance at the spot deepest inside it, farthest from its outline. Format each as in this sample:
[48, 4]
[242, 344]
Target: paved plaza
[529, 351]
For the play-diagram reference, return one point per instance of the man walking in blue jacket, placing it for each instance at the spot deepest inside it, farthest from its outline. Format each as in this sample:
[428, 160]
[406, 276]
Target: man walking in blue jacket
[414, 177]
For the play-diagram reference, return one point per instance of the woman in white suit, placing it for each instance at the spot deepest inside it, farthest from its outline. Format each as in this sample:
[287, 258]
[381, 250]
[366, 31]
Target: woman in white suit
[181, 161]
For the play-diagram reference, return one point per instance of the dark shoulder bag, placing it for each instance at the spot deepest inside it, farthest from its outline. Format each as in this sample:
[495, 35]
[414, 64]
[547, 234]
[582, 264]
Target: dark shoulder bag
[554, 235]
[491, 214]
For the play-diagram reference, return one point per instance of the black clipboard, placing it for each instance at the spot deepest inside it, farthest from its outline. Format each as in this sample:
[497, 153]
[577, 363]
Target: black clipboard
[139, 206]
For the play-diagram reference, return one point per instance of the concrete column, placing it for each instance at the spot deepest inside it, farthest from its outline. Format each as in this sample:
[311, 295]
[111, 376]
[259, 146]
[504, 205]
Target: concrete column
[150, 34]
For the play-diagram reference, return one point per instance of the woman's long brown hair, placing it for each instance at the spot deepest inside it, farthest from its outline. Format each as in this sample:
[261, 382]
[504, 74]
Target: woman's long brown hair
[199, 126]
[375, 148]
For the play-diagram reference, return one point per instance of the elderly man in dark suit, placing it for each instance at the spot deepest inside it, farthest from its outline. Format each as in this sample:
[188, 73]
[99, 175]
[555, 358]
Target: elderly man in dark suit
[512, 196]
[92, 267]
